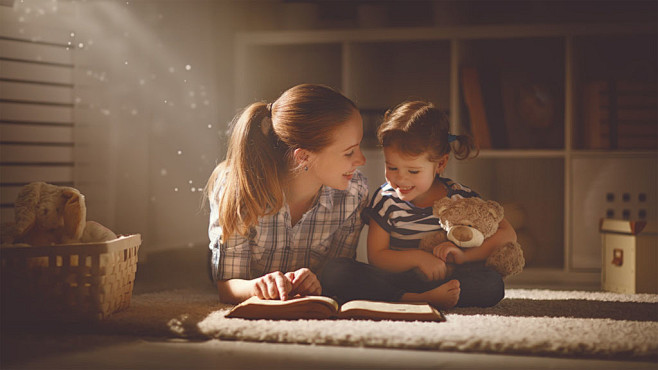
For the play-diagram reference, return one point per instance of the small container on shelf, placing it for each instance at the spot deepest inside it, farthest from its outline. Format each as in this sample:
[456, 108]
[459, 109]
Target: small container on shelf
[630, 256]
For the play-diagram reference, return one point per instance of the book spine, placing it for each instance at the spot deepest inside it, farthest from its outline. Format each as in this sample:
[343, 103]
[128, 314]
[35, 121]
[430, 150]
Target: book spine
[493, 104]
[474, 102]
[612, 113]
[620, 114]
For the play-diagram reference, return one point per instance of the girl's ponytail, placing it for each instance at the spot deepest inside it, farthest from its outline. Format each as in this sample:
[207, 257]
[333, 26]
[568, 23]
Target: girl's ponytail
[417, 127]
[462, 146]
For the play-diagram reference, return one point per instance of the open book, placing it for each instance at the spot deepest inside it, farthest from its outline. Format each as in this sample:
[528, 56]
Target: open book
[320, 307]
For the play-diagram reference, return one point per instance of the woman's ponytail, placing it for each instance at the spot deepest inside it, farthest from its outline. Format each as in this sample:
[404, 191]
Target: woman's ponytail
[259, 161]
[252, 174]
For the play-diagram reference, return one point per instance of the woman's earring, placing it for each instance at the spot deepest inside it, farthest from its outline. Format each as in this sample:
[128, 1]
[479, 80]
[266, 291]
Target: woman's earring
[306, 168]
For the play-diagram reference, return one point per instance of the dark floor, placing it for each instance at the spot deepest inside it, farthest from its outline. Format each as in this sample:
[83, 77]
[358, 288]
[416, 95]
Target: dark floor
[175, 269]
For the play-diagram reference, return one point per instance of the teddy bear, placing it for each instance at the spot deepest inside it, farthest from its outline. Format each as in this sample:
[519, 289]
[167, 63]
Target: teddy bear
[46, 214]
[467, 222]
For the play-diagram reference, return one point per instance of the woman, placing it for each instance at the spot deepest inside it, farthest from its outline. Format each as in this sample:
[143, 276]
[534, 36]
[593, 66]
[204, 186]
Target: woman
[288, 196]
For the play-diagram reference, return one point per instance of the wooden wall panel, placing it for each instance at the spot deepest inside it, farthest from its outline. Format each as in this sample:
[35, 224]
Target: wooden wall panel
[36, 132]
[36, 111]
[13, 112]
[42, 73]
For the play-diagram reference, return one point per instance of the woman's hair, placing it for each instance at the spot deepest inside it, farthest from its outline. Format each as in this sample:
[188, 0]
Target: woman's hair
[418, 127]
[260, 151]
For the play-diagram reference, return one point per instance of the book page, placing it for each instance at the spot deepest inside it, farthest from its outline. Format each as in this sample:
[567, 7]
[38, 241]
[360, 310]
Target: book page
[390, 311]
[309, 307]
[278, 302]
[387, 307]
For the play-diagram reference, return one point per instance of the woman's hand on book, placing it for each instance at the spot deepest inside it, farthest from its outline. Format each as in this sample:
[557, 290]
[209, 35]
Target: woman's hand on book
[304, 282]
[274, 285]
[277, 285]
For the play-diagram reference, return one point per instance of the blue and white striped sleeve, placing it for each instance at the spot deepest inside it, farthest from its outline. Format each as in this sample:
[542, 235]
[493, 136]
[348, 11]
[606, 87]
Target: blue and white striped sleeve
[378, 211]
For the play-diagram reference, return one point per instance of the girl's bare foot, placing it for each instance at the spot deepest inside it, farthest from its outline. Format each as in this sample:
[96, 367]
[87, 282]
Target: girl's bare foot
[443, 297]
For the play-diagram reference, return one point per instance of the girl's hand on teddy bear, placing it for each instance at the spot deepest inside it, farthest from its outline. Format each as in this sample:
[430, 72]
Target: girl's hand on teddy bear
[449, 253]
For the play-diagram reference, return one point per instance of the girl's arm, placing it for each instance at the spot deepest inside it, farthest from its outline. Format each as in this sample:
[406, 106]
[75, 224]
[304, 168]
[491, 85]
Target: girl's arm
[505, 234]
[381, 256]
[451, 253]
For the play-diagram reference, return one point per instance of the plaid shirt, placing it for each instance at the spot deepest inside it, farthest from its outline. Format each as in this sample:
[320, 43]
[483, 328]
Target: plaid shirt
[328, 230]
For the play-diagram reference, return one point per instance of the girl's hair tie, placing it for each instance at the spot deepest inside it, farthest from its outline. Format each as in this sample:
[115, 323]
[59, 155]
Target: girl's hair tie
[451, 137]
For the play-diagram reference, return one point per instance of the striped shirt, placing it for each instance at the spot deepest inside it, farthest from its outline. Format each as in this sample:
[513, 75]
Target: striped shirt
[329, 229]
[406, 223]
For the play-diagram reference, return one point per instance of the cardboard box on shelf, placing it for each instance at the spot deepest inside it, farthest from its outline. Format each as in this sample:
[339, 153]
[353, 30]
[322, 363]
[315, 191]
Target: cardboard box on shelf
[630, 256]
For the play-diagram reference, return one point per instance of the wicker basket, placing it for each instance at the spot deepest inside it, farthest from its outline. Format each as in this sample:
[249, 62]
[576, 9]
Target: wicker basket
[76, 282]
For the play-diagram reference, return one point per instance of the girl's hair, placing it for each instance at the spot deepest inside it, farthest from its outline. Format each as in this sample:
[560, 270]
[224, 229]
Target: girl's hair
[418, 127]
[260, 151]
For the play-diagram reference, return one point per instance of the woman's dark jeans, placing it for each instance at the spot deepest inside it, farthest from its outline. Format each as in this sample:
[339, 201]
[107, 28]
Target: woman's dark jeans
[345, 279]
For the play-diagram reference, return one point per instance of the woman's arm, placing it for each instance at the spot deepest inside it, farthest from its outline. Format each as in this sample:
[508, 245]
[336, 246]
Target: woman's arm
[381, 256]
[274, 285]
[234, 291]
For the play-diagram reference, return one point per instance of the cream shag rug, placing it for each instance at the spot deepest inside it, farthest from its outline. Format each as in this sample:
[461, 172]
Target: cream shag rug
[526, 322]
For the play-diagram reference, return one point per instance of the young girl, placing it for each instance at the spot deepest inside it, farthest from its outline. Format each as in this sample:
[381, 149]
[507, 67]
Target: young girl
[417, 146]
[288, 197]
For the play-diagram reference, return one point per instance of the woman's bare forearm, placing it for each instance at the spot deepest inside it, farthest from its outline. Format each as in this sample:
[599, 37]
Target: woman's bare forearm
[234, 291]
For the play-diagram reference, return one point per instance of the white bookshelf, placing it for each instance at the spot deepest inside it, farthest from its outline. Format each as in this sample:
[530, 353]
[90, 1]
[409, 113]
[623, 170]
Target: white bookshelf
[379, 68]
